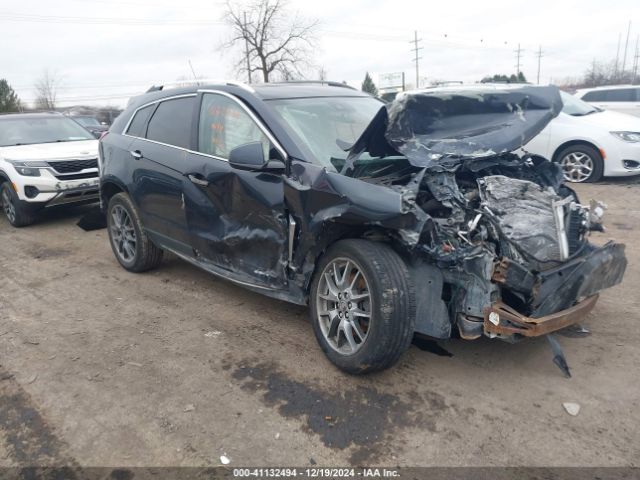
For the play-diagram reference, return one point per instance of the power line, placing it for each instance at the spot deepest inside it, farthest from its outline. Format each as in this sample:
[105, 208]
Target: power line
[171, 4]
[417, 58]
[21, 17]
[78, 20]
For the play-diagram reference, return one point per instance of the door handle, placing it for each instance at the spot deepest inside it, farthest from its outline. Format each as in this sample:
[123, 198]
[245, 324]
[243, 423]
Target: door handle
[136, 154]
[197, 180]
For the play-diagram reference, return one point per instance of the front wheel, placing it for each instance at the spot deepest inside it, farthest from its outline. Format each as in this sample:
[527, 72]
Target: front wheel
[581, 163]
[362, 306]
[18, 212]
[130, 243]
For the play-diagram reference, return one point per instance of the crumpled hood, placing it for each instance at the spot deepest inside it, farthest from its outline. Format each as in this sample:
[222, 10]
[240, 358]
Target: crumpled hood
[429, 127]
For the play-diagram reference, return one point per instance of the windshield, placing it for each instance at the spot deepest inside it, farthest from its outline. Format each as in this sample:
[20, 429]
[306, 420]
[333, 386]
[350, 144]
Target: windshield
[27, 131]
[328, 126]
[576, 107]
[87, 121]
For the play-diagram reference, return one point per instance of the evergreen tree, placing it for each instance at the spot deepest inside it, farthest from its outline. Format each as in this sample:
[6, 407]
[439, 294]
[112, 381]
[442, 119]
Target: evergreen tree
[520, 78]
[9, 101]
[368, 85]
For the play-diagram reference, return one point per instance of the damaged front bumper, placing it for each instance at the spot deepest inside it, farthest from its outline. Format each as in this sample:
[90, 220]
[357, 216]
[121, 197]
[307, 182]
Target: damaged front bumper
[500, 320]
[563, 296]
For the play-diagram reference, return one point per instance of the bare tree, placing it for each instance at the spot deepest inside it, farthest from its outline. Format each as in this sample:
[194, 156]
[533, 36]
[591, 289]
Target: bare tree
[273, 40]
[46, 88]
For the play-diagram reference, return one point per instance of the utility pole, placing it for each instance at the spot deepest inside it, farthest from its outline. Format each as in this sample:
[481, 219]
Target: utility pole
[636, 56]
[246, 48]
[518, 53]
[624, 59]
[417, 58]
[615, 70]
[539, 57]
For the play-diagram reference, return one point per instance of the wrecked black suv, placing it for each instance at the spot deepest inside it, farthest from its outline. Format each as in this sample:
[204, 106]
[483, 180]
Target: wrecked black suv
[416, 217]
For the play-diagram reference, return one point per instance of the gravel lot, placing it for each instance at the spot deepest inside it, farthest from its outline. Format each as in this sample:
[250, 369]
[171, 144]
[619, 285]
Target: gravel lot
[176, 367]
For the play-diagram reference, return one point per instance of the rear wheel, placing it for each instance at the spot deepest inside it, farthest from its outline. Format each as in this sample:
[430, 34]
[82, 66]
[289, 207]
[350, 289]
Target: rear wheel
[581, 163]
[18, 212]
[129, 242]
[362, 306]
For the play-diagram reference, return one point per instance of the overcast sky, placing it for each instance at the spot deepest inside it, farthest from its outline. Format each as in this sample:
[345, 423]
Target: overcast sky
[104, 51]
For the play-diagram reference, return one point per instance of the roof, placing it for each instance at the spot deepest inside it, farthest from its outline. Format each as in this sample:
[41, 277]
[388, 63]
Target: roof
[11, 116]
[264, 91]
[607, 87]
[471, 87]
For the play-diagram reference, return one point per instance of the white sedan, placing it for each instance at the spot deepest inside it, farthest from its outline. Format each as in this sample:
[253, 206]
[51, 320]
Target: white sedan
[590, 143]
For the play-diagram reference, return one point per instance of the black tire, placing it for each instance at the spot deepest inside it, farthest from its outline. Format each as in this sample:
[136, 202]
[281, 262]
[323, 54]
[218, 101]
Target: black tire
[146, 254]
[392, 306]
[582, 149]
[18, 212]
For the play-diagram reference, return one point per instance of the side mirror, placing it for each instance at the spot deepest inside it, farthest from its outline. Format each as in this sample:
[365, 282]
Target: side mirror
[249, 156]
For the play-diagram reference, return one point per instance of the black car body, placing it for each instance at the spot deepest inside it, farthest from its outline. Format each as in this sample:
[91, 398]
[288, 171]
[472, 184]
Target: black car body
[322, 195]
[90, 123]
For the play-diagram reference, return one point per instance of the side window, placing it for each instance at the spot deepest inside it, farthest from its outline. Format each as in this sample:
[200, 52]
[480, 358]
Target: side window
[595, 96]
[137, 125]
[171, 122]
[224, 125]
[621, 95]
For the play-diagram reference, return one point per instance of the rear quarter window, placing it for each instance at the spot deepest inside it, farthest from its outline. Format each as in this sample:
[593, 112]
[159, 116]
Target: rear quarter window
[621, 95]
[171, 122]
[597, 96]
[138, 123]
[612, 95]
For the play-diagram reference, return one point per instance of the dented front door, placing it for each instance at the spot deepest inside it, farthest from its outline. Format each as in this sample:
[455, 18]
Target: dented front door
[236, 217]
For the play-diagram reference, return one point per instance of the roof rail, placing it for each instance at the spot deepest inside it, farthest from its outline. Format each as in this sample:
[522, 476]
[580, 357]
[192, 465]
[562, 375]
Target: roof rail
[199, 82]
[249, 88]
[320, 82]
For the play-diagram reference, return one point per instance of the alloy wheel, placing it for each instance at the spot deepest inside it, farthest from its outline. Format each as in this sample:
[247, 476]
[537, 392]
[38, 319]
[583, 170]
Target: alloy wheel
[8, 206]
[123, 235]
[343, 301]
[577, 166]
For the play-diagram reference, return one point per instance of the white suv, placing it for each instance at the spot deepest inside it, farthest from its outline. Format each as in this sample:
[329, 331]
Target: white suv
[619, 98]
[45, 159]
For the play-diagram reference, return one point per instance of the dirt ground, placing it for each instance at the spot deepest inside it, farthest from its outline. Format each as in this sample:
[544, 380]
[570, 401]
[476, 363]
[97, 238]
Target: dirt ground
[100, 367]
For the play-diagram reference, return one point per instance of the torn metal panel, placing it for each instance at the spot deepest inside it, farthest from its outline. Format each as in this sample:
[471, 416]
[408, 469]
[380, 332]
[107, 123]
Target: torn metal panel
[584, 276]
[328, 206]
[432, 314]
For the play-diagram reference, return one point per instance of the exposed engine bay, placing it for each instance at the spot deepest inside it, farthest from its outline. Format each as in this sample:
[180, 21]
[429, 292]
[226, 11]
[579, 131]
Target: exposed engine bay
[498, 231]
